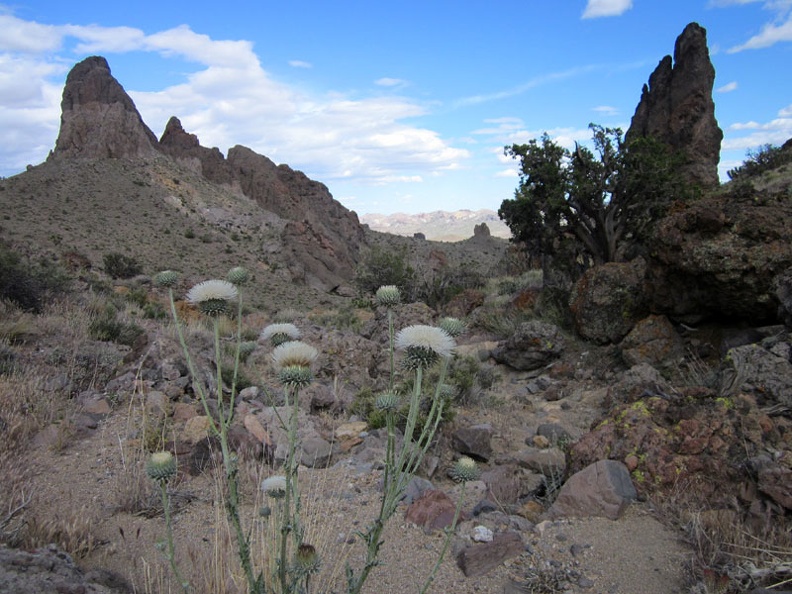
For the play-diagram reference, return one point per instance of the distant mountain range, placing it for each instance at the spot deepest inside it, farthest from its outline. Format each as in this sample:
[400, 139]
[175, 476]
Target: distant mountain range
[439, 225]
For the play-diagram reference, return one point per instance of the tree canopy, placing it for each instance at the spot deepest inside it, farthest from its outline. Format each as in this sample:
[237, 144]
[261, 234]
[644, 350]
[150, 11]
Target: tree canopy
[602, 199]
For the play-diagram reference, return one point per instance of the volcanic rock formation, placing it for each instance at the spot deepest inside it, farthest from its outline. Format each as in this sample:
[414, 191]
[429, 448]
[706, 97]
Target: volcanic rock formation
[98, 118]
[676, 107]
[100, 121]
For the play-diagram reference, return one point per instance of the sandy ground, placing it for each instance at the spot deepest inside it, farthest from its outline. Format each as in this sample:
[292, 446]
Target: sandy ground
[84, 483]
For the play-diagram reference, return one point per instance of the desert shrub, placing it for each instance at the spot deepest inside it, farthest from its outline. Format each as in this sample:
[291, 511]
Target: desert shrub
[470, 379]
[382, 266]
[107, 327]
[438, 287]
[765, 158]
[119, 265]
[530, 279]
[28, 284]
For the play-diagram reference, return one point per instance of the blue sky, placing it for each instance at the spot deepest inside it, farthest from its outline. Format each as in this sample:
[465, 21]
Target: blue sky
[395, 106]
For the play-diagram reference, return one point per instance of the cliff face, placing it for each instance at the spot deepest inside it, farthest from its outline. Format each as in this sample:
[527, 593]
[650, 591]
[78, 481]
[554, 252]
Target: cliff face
[98, 118]
[676, 107]
[100, 121]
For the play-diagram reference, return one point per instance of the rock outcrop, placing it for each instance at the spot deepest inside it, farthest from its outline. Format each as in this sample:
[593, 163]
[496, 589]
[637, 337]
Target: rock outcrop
[98, 118]
[321, 238]
[721, 258]
[183, 146]
[323, 235]
[676, 107]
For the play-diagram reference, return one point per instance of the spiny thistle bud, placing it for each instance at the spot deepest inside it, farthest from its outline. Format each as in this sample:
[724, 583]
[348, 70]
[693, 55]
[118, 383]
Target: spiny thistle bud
[388, 295]
[423, 345]
[161, 467]
[387, 402]
[238, 276]
[295, 376]
[307, 558]
[465, 470]
[212, 296]
[166, 279]
[453, 326]
[274, 486]
[277, 334]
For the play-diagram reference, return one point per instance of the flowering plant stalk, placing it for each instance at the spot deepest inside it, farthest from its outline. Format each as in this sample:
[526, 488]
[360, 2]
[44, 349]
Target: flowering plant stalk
[213, 298]
[423, 346]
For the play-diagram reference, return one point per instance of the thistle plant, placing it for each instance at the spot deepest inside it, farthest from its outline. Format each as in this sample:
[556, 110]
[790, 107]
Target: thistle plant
[423, 347]
[161, 468]
[277, 334]
[215, 298]
[388, 296]
[292, 361]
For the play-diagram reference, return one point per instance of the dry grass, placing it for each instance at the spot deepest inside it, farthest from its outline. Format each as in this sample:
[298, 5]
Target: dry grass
[734, 551]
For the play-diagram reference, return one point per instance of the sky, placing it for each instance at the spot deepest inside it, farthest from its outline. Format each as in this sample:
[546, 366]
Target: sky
[395, 106]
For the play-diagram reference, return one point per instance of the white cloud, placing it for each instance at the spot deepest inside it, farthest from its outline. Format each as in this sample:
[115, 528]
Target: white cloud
[606, 110]
[300, 64]
[770, 35]
[605, 8]
[390, 82]
[27, 36]
[230, 99]
[752, 134]
[727, 88]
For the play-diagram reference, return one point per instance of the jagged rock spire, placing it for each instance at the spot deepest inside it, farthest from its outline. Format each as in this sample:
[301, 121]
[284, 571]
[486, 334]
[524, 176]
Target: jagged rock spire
[676, 107]
[98, 118]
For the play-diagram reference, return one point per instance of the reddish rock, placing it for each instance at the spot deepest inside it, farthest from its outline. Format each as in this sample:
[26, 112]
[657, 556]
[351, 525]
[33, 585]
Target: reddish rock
[601, 489]
[479, 559]
[653, 340]
[433, 510]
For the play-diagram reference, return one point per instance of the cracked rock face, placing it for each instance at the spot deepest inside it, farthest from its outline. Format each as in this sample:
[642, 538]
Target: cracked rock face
[676, 107]
[98, 118]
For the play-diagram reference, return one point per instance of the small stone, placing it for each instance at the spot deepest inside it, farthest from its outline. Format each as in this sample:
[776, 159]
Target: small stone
[540, 441]
[482, 534]
[196, 429]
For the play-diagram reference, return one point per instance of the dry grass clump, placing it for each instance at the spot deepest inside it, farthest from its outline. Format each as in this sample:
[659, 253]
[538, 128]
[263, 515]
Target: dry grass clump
[734, 551]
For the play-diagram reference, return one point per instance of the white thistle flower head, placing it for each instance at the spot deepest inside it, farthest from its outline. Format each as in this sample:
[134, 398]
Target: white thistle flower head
[212, 296]
[294, 354]
[274, 486]
[277, 334]
[423, 345]
[388, 295]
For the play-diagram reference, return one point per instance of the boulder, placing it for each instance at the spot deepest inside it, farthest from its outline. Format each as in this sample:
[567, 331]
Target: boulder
[723, 256]
[433, 510]
[754, 369]
[474, 441]
[49, 569]
[653, 340]
[479, 559]
[601, 489]
[533, 346]
[608, 300]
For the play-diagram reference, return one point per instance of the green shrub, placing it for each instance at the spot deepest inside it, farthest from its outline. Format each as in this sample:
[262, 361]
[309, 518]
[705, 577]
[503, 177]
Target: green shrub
[28, 284]
[763, 159]
[118, 265]
[380, 267]
[106, 327]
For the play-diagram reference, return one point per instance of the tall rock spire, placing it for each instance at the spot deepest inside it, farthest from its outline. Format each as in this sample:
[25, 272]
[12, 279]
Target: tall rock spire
[676, 107]
[98, 118]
